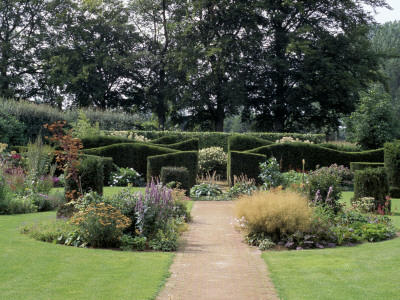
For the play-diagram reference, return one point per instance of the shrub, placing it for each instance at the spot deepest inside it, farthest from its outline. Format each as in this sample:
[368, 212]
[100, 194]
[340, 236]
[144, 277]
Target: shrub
[12, 131]
[242, 186]
[83, 127]
[48, 229]
[129, 243]
[206, 190]
[323, 188]
[101, 224]
[91, 176]
[130, 155]
[187, 159]
[275, 213]
[270, 174]
[242, 163]
[212, 159]
[166, 239]
[372, 183]
[292, 154]
[176, 174]
[126, 176]
[392, 163]
[356, 166]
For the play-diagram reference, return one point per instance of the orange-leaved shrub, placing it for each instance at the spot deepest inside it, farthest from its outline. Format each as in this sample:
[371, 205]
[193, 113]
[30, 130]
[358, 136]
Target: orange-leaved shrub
[101, 225]
[274, 212]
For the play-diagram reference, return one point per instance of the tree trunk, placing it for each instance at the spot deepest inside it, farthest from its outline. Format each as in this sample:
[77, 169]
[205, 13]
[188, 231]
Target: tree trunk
[161, 109]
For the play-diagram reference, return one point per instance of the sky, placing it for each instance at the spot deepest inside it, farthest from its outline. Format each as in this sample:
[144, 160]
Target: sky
[386, 15]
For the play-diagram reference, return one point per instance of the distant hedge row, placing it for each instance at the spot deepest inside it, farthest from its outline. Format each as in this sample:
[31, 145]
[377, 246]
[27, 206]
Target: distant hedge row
[290, 155]
[220, 139]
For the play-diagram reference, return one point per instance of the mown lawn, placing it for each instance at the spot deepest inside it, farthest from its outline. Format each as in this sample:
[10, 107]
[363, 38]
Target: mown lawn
[30, 269]
[367, 271]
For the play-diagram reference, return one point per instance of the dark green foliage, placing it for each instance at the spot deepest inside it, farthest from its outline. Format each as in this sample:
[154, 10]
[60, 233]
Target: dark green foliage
[176, 174]
[19, 149]
[188, 145]
[291, 155]
[167, 139]
[220, 139]
[108, 166]
[346, 147]
[245, 142]
[356, 166]
[392, 163]
[394, 192]
[188, 159]
[101, 141]
[242, 163]
[12, 131]
[91, 175]
[131, 155]
[372, 183]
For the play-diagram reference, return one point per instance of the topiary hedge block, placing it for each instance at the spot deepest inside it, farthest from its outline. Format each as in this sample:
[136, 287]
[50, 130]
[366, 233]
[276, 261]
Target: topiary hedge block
[246, 142]
[220, 139]
[108, 166]
[242, 163]
[101, 141]
[188, 145]
[176, 174]
[292, 154]
[188, 159]
[392, 162]
[130, 155]
[356, 166]
[394, 192]
[372, 182]
[91, 175]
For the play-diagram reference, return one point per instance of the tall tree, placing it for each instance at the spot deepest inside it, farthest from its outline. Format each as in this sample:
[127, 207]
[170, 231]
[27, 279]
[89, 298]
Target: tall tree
[21, 31]
[314, 60]
[94, 61]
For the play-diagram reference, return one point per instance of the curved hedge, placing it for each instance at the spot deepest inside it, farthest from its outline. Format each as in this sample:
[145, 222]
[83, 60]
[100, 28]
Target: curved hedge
[188, 159]
[188, 145]
[105, 140]
[292, 155]
[165, 140]
[357, 166]
[246, 142]
[130, 155]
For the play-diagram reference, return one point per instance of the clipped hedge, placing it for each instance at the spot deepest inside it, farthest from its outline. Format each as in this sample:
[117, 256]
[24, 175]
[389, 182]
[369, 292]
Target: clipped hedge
[357, 166]
[91, 176]
[130, 155]
[246, 142]
[176, 174]
[292, 155]
[220, 139]
[188, 159]
[394, 192]
[165, 140]
[101, 141]
[108, 166]
[392, 163]
[244, 163]
[372, 183]
[188, 145]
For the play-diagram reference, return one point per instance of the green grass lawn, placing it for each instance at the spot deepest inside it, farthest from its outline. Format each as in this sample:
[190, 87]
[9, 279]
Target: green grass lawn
[367, 271]
[36, 270]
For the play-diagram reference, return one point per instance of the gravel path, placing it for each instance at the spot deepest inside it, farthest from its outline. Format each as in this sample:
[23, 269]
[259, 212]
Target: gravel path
[214, 262]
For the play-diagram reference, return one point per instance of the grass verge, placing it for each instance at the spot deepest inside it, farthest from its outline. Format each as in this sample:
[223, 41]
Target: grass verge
[367, 271]
[35, 270]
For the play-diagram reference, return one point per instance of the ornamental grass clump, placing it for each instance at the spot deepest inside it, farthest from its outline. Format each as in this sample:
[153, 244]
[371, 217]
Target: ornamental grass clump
[274, 212]
[101, 225]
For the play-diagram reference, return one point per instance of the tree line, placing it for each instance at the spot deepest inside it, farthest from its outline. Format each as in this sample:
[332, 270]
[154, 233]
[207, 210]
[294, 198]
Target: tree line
[288, 65]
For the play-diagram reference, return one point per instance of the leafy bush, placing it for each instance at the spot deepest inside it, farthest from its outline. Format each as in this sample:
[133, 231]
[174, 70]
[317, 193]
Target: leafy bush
[275, 213]
[364, 204]
[48, 229]
[323, 187]
[375, 232]
[129, 243]
[372, 183]
[126, 176]
[212, 159]
[179, 175]
[84, 128]
[180, 205]
[242, 186]
[12, 131]
[101, 225]
[271, 175]
[392, 163]
[166, 239]
[205, 190]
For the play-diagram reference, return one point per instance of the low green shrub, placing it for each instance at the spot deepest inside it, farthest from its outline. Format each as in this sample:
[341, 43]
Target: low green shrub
[211, 160]
[206, 190]
[166, 239]
[270, 174]
[392, 163]
[126, 176]
[176, 174]
[129, 243]
[372, 183]
[357, 166]
[187, 159]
